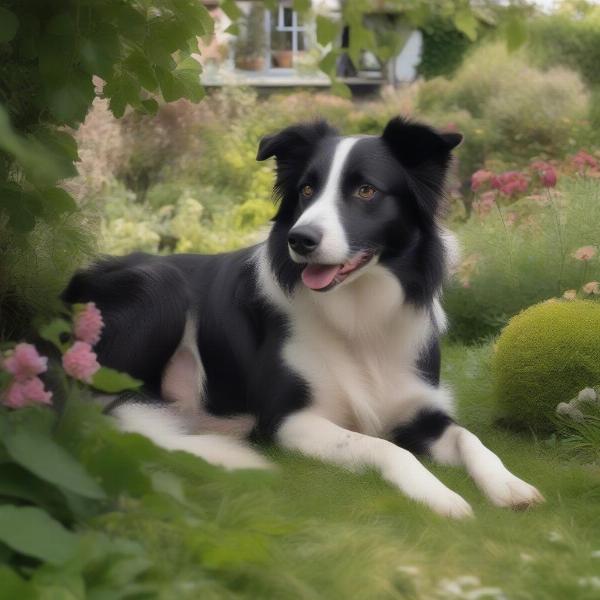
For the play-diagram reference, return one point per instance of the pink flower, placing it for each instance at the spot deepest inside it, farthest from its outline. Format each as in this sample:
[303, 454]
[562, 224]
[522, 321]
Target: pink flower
[585, 253]
[583, 159]
[88, 324]
[545, 171]
[79, 361]
[480, 178]
[24, 393]
[510, 183]
[25, 362]
[570, 294]
[592, 287]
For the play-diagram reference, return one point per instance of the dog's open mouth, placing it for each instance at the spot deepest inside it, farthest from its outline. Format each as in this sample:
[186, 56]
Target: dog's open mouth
[325, 277]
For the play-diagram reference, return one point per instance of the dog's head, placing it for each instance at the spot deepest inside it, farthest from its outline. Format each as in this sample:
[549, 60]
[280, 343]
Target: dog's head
[347, 203]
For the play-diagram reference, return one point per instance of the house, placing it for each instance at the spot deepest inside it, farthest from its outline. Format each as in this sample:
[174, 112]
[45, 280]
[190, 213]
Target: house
[278, 48]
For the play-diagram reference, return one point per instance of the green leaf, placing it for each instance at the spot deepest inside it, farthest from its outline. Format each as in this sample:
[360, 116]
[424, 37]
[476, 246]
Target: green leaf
[58, 201]
[12, 586]
[16, 482]
[70, 100]
[111, 381]
[327, 30]
[33, 532]
[301, 6]
[327, 64]
[341, 89]
[232, 10]
[40, 165]
[20, 217]
[100, 50]
[149, 106]
[9, 24]
[42, 456]
[122, 90]
[59, 142]
[465, 21]
[187, 74]
[195, 15]
[53, 332]
[170, 87]
[515, 30]
[139, 66]
[5, 379]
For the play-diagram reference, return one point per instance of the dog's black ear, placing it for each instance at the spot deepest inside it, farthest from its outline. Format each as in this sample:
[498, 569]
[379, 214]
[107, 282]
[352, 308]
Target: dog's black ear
[414, 143]
[294, 140]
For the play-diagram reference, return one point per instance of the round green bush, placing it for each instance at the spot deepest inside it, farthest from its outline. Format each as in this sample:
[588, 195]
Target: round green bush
[545, 355]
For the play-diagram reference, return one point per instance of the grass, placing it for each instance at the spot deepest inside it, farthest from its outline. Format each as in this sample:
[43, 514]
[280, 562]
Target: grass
[309, 530]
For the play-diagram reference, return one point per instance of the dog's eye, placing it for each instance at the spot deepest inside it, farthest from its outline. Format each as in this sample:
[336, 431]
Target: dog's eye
[366, 192]
[307, 191]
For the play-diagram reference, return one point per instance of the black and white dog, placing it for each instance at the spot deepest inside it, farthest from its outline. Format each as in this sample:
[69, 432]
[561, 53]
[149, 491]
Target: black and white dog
[324, 338]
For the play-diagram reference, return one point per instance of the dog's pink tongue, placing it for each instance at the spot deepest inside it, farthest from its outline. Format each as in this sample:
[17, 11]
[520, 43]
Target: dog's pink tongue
[317, 277]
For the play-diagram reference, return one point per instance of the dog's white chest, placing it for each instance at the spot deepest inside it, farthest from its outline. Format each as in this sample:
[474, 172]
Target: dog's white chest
[357, 349]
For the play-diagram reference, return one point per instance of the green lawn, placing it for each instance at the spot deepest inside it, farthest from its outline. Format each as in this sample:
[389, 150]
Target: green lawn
[313, 531]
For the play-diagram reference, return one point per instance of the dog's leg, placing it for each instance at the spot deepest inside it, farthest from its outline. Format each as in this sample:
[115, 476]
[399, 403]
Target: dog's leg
[168, 430]
[458, 446]
[318, 437]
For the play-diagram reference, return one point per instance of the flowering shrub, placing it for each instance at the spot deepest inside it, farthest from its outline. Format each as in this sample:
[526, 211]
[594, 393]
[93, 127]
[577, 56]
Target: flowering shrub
[21, 365]
[45, 484]
[525, 248]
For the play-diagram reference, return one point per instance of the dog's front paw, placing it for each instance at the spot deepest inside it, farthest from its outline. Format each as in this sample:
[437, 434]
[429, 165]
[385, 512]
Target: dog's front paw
[511, 492]
[450, 504]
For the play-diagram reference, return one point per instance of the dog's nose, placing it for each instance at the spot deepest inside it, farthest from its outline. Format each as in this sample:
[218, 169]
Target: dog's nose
[304, 239]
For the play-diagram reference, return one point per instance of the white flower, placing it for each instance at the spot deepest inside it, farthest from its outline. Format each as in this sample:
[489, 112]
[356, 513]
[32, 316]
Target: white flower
[587, 395]
[555, 536]
[591, 582]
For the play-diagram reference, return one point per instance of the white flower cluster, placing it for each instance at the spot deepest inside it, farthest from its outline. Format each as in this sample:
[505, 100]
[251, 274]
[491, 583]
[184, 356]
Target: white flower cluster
[586, 397]
[468, 587]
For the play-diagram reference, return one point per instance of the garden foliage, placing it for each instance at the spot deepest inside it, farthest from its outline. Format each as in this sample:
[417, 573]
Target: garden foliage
[570, 38]
[49, 56]
[520, 251]
[501, 117]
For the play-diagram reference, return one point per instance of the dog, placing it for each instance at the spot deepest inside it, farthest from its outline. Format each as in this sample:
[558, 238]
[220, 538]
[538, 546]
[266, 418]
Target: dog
[324, 339]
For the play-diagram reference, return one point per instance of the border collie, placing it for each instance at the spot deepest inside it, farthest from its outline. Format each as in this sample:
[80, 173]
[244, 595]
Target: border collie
[324, 338]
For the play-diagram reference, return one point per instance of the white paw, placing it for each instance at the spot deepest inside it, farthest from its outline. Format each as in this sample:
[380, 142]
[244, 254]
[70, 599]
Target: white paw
[509, 491]
[450, 504]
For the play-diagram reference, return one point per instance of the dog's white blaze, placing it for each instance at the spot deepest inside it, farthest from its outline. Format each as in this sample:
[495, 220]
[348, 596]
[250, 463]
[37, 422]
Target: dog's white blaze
[324, 212]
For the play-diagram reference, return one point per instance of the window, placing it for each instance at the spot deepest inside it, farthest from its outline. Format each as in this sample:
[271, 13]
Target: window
[286, 36]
